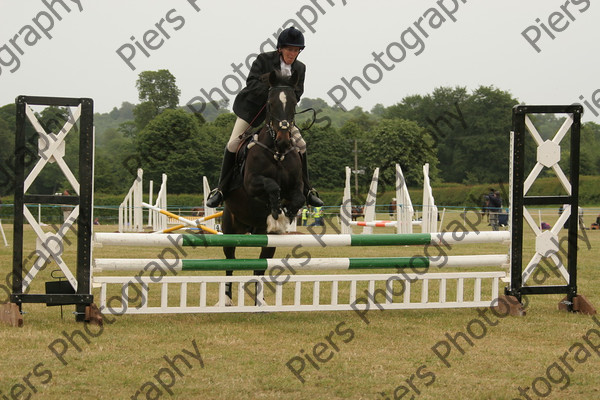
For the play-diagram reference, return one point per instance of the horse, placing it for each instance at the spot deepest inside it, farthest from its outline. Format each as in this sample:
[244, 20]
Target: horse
[485, 206]
[271, 192]
[198, 211]
[357, 212]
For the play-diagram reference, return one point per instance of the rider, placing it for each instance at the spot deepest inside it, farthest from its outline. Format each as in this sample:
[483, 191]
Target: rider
[249, 107]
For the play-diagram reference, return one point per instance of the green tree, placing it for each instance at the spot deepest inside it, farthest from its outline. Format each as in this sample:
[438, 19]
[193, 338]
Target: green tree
[225, 121]
[355, 135]
[171, 143]
[404, 142]
[317, 103]
[158, 88]
[127, 129]
[471, 131]
[144, 113]
[213, 138]
[329, 152]
[157, 92]
[478, 150]
[113, 174]
[7, 138]
[123, 112]
[431, 111]
[590, 149]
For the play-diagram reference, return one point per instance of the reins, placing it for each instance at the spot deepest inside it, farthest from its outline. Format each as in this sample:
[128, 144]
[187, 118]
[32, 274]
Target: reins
[313, 119]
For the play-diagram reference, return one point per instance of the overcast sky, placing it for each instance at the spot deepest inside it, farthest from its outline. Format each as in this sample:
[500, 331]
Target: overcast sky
[394, 47]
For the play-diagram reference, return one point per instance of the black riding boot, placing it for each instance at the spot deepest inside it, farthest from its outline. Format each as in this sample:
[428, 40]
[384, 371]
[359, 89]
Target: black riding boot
[215, 198]
[312, 197]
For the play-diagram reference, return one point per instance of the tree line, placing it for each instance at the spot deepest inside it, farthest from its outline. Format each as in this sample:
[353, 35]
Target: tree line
[463, 135]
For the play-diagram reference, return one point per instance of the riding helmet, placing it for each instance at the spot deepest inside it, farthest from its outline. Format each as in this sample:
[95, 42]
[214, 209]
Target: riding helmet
[290, 37]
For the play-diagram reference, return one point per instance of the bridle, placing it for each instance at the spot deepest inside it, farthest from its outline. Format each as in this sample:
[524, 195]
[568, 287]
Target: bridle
[271, 130]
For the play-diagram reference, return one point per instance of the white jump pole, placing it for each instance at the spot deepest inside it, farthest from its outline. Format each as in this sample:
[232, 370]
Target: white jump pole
[150, 213]
[3, 235]
[346, 207]
[442, 220]
[160, 219]
[404, 207]
[370, 204]
[430, 211]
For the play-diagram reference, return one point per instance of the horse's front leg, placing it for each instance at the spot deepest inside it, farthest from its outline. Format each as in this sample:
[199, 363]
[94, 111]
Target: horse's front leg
[229, 254]
[295, 203]
[274, 192]
[262, 186]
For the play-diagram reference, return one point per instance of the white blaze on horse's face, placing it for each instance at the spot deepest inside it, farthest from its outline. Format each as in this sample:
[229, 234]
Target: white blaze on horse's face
[283, 99]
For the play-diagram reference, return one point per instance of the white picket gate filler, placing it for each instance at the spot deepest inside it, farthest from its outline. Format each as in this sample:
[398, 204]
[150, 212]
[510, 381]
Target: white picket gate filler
[321, 292]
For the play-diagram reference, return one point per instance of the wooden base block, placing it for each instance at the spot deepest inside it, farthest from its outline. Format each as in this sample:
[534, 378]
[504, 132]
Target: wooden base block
[509, 305]
[580, 305]
[93, 315]
[10, 314]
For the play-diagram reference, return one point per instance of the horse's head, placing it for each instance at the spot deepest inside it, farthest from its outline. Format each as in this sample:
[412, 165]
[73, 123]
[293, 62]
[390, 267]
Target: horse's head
[281, 108]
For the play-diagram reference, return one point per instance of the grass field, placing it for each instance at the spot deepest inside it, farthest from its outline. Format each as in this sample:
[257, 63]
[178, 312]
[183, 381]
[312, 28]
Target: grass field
[244, 356]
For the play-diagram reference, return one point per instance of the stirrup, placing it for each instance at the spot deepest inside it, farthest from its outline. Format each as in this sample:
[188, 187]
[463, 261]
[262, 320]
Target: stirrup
[216, 195]
[312, 198]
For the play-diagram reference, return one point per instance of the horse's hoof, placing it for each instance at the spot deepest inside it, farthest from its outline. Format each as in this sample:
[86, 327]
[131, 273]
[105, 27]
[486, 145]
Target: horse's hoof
[277, 225]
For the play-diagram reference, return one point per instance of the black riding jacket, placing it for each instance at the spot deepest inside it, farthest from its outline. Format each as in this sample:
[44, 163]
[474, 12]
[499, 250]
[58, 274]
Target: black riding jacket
[250, 100]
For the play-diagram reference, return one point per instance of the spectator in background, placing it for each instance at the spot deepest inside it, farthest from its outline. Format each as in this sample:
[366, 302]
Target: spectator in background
[545, 226]
[484, 207]
[304, 216]
[596, 225]
[495, 207]
[318, 215]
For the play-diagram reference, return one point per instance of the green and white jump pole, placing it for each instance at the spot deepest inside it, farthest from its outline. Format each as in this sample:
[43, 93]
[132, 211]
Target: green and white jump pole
[294, 264]
[174, 240]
